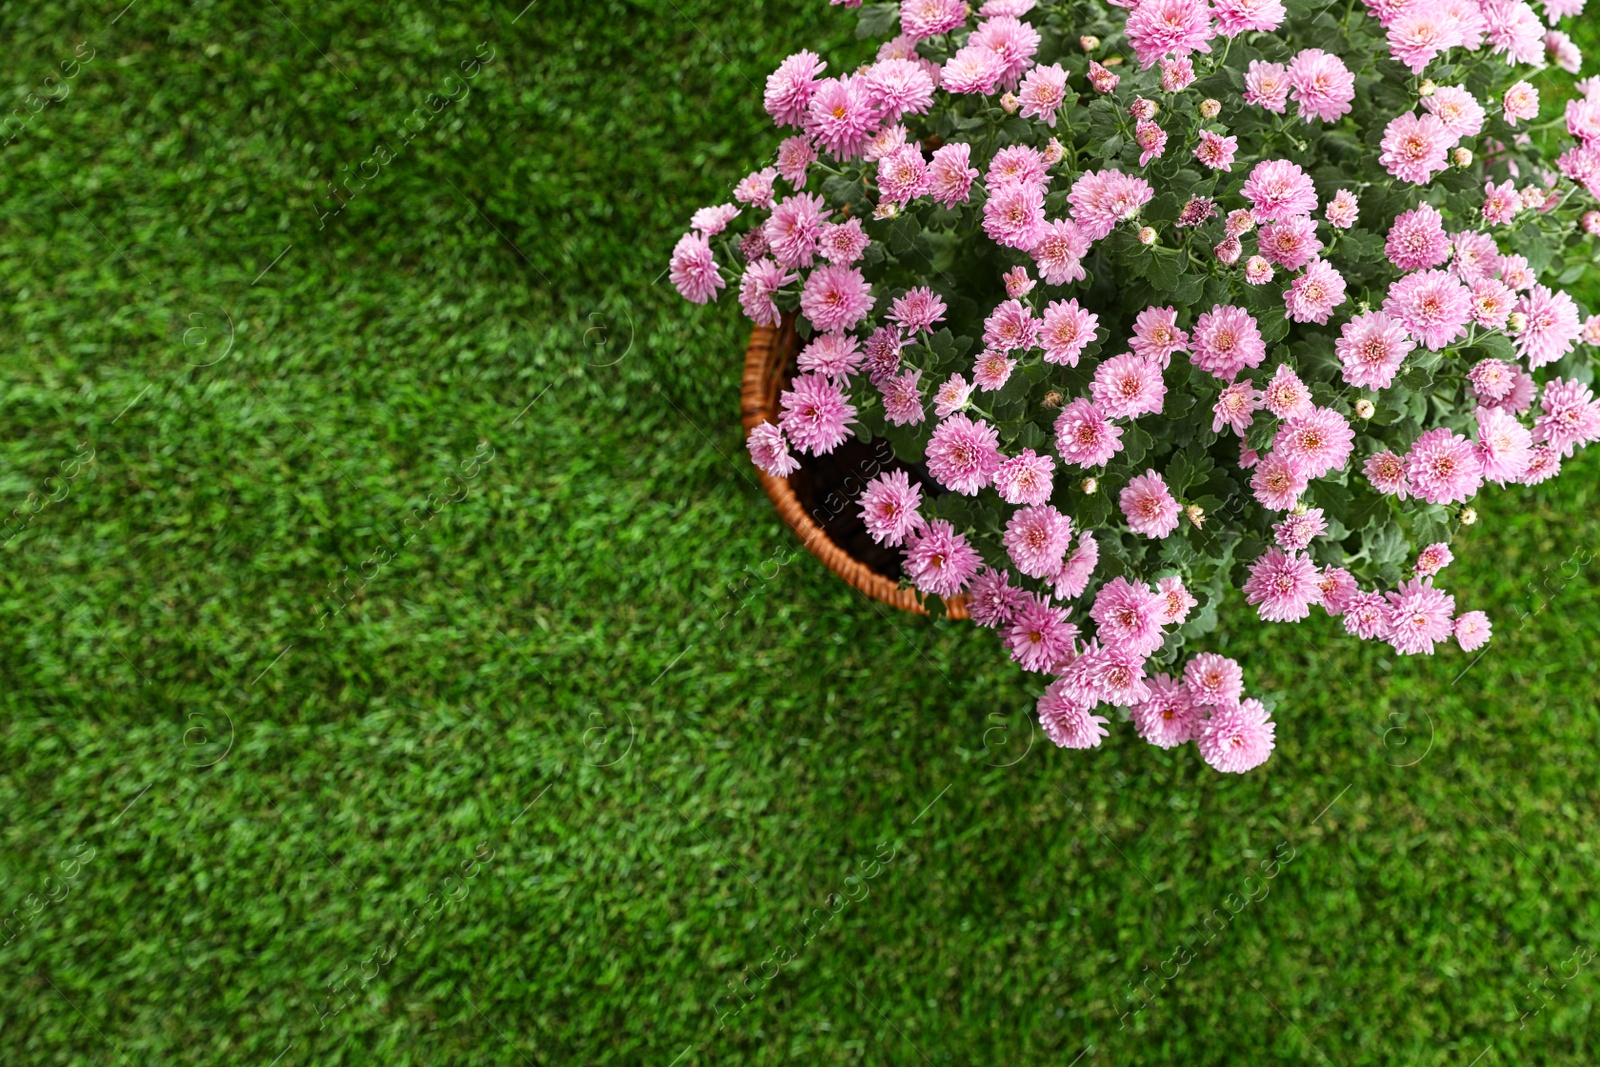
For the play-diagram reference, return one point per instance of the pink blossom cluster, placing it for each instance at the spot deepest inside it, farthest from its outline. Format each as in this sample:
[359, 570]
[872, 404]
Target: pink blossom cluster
[1355, 327]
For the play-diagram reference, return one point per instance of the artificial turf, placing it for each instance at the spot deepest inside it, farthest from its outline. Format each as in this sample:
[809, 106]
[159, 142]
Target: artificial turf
[387, 603]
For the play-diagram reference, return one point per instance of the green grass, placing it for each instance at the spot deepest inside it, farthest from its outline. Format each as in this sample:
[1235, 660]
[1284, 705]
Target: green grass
[653, 780]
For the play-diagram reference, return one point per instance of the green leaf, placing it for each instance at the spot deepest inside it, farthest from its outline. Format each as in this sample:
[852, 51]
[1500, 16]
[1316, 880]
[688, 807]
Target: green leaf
[876, 20]
[1135, 444]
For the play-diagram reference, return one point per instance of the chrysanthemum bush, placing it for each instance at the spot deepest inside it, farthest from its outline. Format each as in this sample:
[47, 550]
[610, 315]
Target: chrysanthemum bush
[1165, 298]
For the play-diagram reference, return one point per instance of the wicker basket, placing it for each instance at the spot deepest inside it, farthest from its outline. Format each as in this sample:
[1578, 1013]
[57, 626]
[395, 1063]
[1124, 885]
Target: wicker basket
[766, 365]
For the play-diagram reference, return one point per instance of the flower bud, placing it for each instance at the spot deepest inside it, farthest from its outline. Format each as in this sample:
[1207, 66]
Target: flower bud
[1054, 152]
[1088, 42]
[1210, 108]
[1142, 109]
[888, 209]
[1147, 235]
[1591, 223]
[1426, 88]
[1365, 409]
[1516, 322]
[1197, 515]
[1257, 271]
[1053, 399]
[1468, 516]
[1462, 157]
[1228, 251]
[1010, 102]
[1090, 484]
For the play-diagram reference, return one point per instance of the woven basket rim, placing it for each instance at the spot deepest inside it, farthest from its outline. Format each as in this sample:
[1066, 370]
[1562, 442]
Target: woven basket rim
[770, 351]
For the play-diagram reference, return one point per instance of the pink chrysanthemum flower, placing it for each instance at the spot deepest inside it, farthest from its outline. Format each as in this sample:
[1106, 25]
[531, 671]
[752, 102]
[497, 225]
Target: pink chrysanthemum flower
[1491, 379]
[1084, 436]
[992, 369]
[1036, 539]
[1213, 681]
[1017, 164]
[1238, 223]
[1420, 32]
[1226, 341]
[1066, 720]
[795, 155]
[1012, 40]
[884, 142]
[1266, 85]
[992, 600]
[1116, 675]
[1176, 74]
[1040, 635]
[1079, 567]
[1128, 616]
[1026, 478]
[1279, 189]
[1152, 141]
[938, 560]
[1433, 559]
[794, 229]
[972, 70]
[1235, 407]
[1013, 216]
[1277, 483]
[1432, 305]
[1457, 110]
[900, 87]
[1516, 273]
[1491, 304]
[1366, 615]
[1128, 386]
[1419, 617]
[1257, 271]
[843, 243]
[835, 297]
[1159, 28]
[950, 173]
[1196, 211]
[1066, 331]
[1103, 80]
[1282, 586]
[1059, 252]
[1337, 586]
[1290, 243]
[1298, 529]
[920, 19]
[890, 507]
[1521, 101]
[753, 245]
[1371, 347]
[902, 399]
[1387, 473]
[917, 310]
[1571, 416]
[815, 414]
[1520, 398]
[769, 451]
[1156, 335]
[1011, 326]
[1168, 718]
[1323, 86]
[1473, 256]
[1148, 506]
[1545, 464]
[761, 280]
[952, 396]
[1553, 326]
[1414, 148]
[963, 454]
[1472, 630]
[1286, 396]
[1342, 210]
[1042, 93]
[1243, 16]
[693, 269]
[1237, 739]
[1315, 294]
[1505, 446]
[1443, 467]
[1417, 239]
[842, 116]
[902, 175]
[1514, 29]
[1101, 199]
[790, 87]
[1176, 601]
[1317, 442]
[1018, 283]
[1501, 203]
[711, 221]
[835, 355]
